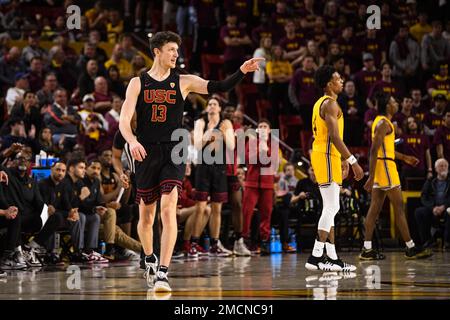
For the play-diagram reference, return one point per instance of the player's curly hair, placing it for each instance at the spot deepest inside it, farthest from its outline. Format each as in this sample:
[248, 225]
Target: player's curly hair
[323, 75]
[381, 101]
[161, 38]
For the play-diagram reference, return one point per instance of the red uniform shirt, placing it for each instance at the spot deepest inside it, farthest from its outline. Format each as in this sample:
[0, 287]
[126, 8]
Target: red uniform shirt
[254, 178]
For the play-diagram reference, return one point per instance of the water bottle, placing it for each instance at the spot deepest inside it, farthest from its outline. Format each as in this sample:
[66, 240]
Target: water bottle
[102, 247]
[207, 243]
[293, 240]
[278, 247]
[273, 244]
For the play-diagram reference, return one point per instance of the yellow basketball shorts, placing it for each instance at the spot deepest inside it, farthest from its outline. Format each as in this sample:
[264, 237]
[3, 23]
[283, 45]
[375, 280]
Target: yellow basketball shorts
[327, 168]
[386, 174]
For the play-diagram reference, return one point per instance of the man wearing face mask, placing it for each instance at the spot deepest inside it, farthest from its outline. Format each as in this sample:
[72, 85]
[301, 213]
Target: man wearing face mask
[24, 192]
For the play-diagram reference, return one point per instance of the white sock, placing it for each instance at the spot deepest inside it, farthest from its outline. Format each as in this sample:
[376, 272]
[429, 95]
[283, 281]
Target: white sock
[410, 244]
[331, 251]
[368, 245]
[318, 248]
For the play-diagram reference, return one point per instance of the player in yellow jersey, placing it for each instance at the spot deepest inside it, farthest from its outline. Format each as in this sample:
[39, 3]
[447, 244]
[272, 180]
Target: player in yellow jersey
[327, 152]
[384, 180]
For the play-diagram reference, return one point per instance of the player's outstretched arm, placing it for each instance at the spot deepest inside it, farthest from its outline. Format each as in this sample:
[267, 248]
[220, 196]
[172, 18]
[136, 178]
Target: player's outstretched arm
[330, 112]
[128, 108]
[191, 83]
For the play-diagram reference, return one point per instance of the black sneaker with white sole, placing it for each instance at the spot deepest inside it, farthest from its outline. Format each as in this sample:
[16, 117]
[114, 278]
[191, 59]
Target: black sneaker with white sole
[162, 282]
[322, 263]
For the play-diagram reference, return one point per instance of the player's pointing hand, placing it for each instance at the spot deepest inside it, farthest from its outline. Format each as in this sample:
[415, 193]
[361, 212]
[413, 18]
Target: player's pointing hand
[251, 65]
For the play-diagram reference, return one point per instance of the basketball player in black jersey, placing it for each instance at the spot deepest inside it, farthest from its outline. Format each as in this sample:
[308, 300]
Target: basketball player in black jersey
[158, 97]
[212, 136]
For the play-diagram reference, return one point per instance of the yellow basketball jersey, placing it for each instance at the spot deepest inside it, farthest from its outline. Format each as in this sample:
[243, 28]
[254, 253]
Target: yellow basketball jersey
[322, 141]
[387, 149]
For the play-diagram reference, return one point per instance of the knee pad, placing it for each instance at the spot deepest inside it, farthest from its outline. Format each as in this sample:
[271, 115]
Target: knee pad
[330, 197]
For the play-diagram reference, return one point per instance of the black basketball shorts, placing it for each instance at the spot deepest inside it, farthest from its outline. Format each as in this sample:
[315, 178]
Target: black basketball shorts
[157, 174]
[211, 180]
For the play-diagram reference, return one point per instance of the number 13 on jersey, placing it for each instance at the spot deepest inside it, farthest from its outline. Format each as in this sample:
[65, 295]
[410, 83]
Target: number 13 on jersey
[159, 112]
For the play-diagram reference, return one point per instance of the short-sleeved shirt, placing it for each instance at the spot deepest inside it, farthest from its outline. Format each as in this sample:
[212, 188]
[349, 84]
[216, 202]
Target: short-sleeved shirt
[292, 44]
[303, 84]
[280, 67]
[442, 136]
[233, 52]
[439, 83]
[415, 145]
[387, 87]
[365, 79]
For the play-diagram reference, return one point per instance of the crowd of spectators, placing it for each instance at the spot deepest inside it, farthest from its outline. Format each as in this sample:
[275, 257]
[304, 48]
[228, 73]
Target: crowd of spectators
[66, 102]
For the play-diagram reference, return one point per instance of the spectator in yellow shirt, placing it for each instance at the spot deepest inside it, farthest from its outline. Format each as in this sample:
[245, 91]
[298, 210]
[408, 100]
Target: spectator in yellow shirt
[97, 16]
[114, 27]
[125, 68]
[421, 28]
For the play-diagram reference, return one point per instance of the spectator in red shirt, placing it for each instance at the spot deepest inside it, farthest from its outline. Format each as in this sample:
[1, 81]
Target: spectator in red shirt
[434, 118]
[440, 81]
[400, 117]
[278, 21]
[36, 74]
[103, 98]
[374, 44]
[320, 34]
[353, 108]
[388, 23]
[302, 91]
[419, 108]
[442, 138]
[386, 84]
[331, 17]
[112, 117]
[349, 48]
[367, 76]
[292, 44]
[236, 40]
[242, 9]
[258, 187]
[308, 15]
[416, 144]
[263, 30]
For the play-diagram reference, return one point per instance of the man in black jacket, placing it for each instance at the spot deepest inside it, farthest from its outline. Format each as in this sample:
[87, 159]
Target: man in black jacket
[8, 220]
[54, 194]
[24, 193]
[436, 202]
[86, 201]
